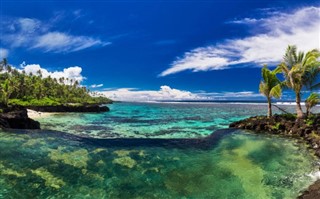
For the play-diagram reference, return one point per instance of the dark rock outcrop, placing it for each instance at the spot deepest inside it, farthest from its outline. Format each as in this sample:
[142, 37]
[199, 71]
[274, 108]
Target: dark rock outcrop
[288, 125]
[313, 192]
[63, 108]
[17, 118]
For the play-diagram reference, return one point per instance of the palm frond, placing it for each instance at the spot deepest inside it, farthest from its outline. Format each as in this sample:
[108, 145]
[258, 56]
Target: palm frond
[276, 91]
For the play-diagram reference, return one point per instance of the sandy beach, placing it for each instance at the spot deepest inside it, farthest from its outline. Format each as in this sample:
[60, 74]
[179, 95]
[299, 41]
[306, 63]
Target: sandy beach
[37, 114]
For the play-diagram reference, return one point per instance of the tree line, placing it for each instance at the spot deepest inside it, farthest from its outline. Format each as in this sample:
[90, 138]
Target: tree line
[301, 73]
[19, 88]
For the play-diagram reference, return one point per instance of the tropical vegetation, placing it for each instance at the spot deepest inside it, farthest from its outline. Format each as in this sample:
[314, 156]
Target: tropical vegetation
[19, 88]
[270, 86]
[300, 71]
[311, 101]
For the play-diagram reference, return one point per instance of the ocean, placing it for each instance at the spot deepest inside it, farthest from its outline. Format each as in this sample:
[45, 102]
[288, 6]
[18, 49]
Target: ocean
[153, 150]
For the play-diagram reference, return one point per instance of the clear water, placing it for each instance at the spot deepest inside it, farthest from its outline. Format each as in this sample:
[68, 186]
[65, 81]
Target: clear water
[155, 120]
[227, 164]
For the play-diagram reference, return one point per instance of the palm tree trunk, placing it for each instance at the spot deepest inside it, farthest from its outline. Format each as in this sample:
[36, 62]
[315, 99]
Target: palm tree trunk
[298, 107]
[307, 111]
[269, 108]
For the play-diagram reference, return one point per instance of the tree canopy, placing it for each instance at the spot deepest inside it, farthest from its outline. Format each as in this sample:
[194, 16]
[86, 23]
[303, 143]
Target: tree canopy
[300, 70]
[270, 86]
[17, 87]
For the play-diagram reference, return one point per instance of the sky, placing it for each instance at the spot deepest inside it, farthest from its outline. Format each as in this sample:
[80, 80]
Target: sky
[158, 50]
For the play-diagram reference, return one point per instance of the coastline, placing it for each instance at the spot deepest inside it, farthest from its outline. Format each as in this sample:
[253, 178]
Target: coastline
[306, 130]
[38, 114]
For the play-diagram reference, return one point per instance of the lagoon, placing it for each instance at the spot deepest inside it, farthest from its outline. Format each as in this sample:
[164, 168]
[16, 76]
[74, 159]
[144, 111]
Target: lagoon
[153, 150]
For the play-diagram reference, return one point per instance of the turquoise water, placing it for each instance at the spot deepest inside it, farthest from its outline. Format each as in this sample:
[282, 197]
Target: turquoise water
[154, 120]
[227, 164]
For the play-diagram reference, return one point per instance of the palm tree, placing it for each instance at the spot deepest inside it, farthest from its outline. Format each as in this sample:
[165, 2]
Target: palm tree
[3, 64]
[270, 86]
[299, 70]
[311, 101]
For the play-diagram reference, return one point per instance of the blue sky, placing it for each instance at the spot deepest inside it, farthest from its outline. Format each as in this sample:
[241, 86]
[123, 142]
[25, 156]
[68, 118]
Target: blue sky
[148, 50]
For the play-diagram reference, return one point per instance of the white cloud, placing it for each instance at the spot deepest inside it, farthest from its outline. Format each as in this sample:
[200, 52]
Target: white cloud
[232, 95]
[274, 34]
[72, 73]
[96, 85]
[167, 93]
[61, 42]
[33, 33]
[3, 53]
[28, 25]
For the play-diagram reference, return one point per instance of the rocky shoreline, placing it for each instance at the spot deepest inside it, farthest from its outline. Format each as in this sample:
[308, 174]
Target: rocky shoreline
[16, 117]
[287, 125]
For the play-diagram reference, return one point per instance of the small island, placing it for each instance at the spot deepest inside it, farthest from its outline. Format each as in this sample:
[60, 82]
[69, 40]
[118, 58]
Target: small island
[20, 91]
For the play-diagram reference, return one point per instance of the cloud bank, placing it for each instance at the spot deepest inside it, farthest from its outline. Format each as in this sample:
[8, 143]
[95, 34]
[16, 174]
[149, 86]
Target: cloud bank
[72, 73]
[272, 35]
[167, 93]
[36, 34]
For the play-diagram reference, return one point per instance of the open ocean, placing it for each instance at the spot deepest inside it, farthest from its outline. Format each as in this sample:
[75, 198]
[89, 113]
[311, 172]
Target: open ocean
[153, 150]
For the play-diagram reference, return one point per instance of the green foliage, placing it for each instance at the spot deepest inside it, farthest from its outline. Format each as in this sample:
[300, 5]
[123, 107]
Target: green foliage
[312, 101]
[289, 116]
[35, 102]
[276, 126]
[315, 135]
[270, 86]
[300, 70]
[309, 122]
[18, 88]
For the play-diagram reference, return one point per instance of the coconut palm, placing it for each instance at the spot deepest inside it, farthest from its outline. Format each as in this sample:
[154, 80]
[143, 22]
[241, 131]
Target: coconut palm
[300, 70]
[270, 86]
[311, 101]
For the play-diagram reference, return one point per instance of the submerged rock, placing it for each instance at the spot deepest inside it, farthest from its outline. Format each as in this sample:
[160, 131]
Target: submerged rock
[78, 158]
[125, 161]
[17, 118]
[50, 180]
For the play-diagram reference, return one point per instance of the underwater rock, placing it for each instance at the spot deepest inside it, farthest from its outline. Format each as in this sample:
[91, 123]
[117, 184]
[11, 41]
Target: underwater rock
[50, 180]
[77, 158]
[8, 171]
[125, 161]
[122, 152]
[17, 118]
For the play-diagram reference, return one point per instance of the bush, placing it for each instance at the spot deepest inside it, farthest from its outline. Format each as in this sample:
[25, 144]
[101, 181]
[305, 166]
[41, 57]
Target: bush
[289, 116]
[35, 102]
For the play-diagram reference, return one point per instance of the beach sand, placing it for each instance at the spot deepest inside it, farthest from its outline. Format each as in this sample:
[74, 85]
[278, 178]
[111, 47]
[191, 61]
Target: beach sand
[37, 114]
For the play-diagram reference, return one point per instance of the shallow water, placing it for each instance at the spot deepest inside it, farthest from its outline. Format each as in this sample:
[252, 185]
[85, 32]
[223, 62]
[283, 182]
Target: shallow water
[240, 165]
[78, 162]
[155, 120]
